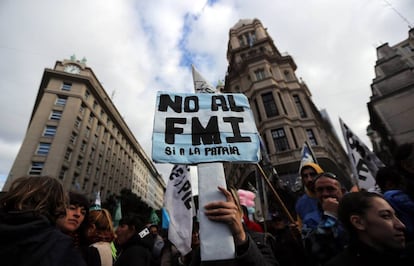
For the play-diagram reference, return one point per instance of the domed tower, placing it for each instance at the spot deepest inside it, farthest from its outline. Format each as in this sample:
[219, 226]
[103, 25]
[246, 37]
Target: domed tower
[282, 106]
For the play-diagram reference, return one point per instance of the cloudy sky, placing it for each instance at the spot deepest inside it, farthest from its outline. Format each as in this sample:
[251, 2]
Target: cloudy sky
[139, 47]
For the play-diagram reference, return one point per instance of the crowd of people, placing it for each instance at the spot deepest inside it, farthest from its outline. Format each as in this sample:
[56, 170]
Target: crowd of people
[42, 224]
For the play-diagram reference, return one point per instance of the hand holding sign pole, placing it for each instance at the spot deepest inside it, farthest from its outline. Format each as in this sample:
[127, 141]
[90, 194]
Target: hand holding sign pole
[206, 129]
[210, 176]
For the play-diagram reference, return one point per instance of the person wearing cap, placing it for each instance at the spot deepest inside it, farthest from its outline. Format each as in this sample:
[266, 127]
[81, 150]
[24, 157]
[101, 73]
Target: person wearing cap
[307, 202]
[323, 235]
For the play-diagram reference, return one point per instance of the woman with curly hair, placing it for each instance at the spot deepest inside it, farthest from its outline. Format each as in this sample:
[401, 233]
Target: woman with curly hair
[29, 236]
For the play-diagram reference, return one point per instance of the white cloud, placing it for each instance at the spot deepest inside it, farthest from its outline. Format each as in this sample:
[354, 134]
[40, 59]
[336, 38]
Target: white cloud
[134, 49]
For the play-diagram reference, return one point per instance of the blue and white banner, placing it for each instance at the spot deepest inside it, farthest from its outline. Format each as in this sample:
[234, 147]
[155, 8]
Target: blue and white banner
[192, 128]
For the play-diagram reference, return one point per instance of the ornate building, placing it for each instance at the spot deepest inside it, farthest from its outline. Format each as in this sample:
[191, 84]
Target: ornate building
[391, 107]
[76, 134]
[282, 106]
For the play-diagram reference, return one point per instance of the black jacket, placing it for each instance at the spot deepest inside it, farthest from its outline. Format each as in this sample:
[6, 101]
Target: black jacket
[359, 254]
[255, 252]
[28, 239]
[135, 252]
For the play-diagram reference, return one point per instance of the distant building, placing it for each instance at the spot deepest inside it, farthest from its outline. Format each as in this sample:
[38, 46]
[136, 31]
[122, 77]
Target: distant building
[76, 134]
[284, 112]
[391, 106]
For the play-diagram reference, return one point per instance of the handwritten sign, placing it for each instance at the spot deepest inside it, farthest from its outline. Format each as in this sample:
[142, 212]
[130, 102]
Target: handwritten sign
[194, 128]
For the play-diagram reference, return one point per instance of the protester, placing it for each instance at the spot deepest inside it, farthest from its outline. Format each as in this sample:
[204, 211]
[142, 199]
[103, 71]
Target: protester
[376, 234]
[307, 202]
[134, 242]
[404, 161]
[158, 245]
[323, 235]
[74, 222]
[28, 214]
[391, 184]
[100, 233]
[251, 247]
[287, 245]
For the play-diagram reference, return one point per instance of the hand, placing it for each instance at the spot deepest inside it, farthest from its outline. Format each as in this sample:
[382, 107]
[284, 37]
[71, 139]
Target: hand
[330, 205]
[227, 212]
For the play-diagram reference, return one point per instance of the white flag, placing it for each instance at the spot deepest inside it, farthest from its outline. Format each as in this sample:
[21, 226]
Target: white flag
[200, 84]
[177, 201]
[364, 162]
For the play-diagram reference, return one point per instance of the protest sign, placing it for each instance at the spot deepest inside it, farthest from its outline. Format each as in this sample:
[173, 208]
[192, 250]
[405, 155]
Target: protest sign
[192, 128]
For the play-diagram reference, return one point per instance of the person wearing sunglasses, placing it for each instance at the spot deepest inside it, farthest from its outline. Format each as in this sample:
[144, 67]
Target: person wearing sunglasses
[307, 202]
[323, 235]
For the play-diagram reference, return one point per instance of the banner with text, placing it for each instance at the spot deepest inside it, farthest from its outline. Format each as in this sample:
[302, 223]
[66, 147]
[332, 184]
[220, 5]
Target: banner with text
[365, 163]
[192, 128]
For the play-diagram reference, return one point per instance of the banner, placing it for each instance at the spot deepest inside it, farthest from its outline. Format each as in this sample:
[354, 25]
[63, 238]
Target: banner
[194, 128]
[364, 162]
[177, 202]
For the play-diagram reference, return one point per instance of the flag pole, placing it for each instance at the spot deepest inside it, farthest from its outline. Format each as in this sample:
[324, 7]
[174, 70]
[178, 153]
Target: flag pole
[290, 217]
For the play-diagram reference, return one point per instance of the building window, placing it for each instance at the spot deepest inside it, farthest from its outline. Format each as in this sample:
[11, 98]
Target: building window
[68, 154]
[260, 74]
[288, 75]
[62, 173]
[270, 105]
[407, 48]
[311, 137]
[95, 104]
[79, 162]
[78, 122]
[61, 101]
[87, 94]
[90, 119]
[73, 138]
[66, 86]
[56, 115]
[92, 154]
[241, 41]
[88, 168]
[43, 148]
[82, 109]
[50, 131]
[247, 38]
[87, 132]
[299, 105]
[36, 168]
[280, 139]
[251, 38]
[83, 146]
